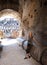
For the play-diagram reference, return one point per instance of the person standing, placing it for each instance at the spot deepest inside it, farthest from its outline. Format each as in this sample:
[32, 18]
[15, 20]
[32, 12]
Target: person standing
[30, 38]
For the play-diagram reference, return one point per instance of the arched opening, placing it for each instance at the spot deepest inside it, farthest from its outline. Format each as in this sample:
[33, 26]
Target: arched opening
[10, 26]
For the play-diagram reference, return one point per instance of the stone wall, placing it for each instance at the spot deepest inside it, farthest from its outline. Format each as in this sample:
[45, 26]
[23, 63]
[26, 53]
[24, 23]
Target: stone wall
[34, 18]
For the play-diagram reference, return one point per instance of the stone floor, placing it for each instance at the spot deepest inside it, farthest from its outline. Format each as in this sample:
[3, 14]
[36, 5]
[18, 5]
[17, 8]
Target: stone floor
[14, 55]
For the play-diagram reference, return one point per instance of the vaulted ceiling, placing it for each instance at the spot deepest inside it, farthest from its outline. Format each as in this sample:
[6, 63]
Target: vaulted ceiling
[9, 4]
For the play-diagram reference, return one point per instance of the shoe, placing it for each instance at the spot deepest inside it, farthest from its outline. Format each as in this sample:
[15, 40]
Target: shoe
[25, 58]
[29, 56]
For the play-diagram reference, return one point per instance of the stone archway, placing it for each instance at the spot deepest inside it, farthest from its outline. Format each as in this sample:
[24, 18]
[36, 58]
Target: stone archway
[8, 13]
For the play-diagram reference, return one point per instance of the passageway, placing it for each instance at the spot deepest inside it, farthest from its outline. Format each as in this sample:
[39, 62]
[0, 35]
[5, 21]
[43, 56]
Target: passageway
[23, 20]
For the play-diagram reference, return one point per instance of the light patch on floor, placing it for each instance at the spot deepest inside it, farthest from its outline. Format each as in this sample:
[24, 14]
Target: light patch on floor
[9, 41]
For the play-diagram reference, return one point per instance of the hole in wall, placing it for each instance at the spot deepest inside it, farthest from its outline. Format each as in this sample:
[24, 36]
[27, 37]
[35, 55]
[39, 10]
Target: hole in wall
[35, 10]
[41, 3]
[31, 16]
[45, 3]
